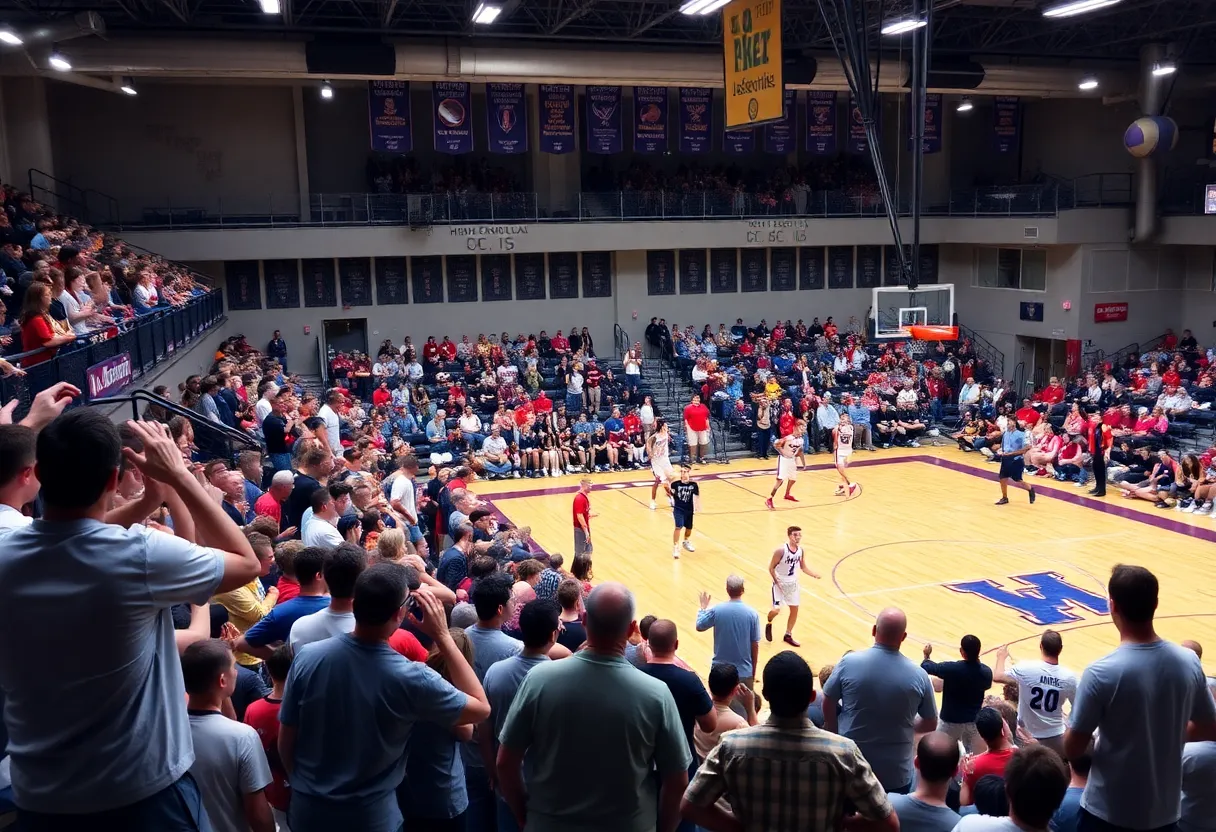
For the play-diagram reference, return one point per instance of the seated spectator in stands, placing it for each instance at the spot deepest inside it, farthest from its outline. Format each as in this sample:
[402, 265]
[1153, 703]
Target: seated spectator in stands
[725, 689]
[495, 455]
[230, 765]
[859, 415]
[909, 426]
[1071, 461]
[1175, 401]
[963, 684]
[1036, 780]
[351, 702]
[926, 809]
[1075, 422]
[122, 766]
[38, 330]
[1144, 699]
[785, 743]
[995, 733]
[969, 394]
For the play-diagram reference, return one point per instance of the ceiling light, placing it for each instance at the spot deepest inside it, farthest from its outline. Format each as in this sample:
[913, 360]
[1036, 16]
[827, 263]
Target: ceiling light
[965, 106]
[702, 7]
[1077, 7]
[128, 87]
[10, 37]
[327, 92]
[902, 26]
[486, 14]
[1164, 68]
[57, 61]
[1089, 82]
[270, 6]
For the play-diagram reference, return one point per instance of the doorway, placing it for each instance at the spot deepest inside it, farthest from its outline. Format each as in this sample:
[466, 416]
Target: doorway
[345, 335]
[1038, 359]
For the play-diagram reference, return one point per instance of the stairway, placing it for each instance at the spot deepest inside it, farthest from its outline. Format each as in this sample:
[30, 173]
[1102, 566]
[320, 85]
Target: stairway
[671, 392]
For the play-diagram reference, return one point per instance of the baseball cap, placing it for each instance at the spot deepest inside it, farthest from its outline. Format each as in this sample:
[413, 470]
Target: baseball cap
[480, 514]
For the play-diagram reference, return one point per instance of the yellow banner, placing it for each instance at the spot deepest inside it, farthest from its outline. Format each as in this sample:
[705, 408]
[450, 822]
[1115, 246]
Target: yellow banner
[751, 42]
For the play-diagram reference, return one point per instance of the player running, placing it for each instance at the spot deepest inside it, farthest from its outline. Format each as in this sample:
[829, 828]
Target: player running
[788, 448]
[686, 496]
[658, 448]
[783, 569]
[842, 449]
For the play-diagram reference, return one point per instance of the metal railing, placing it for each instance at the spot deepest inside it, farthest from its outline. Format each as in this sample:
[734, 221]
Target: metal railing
[213, 439]
[151, 339]
[986, 350]
[621, 337]
[86, 204]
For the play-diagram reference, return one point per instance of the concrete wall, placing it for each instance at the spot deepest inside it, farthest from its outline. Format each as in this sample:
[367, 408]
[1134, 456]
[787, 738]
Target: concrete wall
[226, 148]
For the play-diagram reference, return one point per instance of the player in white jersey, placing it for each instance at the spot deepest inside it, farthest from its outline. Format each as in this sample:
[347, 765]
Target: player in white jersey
[783, 569]
[842, 449]
[1043, 688]
[788, 449]
[658, 446]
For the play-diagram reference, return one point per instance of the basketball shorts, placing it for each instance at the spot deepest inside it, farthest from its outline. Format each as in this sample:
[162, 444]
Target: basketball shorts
[1011, 468]
[842, 455]
[787, 468]
[662, 469]
[786, 593]
[682, 518]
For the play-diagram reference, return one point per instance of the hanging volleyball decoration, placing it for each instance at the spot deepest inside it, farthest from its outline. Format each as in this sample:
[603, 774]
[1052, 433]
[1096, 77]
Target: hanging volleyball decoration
[1150, 136]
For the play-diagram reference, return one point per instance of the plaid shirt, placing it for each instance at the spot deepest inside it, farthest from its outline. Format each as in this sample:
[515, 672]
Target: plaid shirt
[788, 776]
[546, 587]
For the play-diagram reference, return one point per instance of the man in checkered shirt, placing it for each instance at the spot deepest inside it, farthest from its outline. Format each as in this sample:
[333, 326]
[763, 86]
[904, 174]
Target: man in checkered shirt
[785, 775]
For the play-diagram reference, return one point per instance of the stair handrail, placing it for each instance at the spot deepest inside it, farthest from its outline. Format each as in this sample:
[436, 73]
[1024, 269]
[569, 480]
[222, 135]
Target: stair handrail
[324, 365]
[994, 357]
[82, 201]
[134, 397]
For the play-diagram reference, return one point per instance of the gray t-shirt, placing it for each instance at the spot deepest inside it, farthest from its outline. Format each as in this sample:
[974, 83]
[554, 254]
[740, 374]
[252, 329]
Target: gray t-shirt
[1198, 794]
[490, 645]
[229, 763]
[882, 693]
[95, 599]
[916, 816]
[319, 626]
[1139, 699]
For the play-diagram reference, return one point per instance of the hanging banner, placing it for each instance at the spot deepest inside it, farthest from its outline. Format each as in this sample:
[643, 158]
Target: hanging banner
[450, 111]
[556, 118]
[650, 122]
[355, 281]
[739, 142]
[282, 279]
[821, 122]
[603, 120]
[506, 118]
[859, 142]
[392, 281]
[933, 122]
[1006, 123]
[244, 284]
[696, 120]
[779, 136]
[388, 110]
[751, 51]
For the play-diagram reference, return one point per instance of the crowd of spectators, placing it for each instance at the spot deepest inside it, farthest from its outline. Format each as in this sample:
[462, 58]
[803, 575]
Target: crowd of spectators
[65, 284]
[457, 175]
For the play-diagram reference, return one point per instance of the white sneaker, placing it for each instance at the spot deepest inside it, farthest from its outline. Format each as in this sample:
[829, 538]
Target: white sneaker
[914, 444]
[516, 475]
[1188, 510]
[986, 452]
[688, 545]
[652, 505]
[1082, 484]
[675, 552]
[544, 472]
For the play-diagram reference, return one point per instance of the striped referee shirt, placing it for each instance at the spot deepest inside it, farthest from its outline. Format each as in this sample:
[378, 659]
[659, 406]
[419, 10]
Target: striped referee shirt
[786, 775]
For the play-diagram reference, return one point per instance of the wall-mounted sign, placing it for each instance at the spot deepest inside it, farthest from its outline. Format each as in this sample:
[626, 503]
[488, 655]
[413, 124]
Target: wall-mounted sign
[1105, 313]
[1030, 311]
[751, 47]
[108, 377]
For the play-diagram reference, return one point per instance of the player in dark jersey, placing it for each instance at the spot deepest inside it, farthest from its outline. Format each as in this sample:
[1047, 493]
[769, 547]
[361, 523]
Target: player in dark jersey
[686, 496]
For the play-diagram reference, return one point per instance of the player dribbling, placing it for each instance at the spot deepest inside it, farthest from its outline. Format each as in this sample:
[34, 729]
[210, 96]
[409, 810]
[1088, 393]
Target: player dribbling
[658, 447]
[788, 448]
[842, 449]
[783, 569]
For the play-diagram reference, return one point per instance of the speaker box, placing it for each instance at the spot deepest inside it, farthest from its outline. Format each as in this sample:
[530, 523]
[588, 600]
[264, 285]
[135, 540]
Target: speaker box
[350, 56]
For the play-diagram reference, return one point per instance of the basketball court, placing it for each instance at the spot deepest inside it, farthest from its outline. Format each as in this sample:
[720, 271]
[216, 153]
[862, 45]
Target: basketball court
[922, 534]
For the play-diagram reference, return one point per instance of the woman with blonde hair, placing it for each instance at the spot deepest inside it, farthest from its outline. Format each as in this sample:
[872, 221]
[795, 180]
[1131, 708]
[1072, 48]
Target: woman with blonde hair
[432, 797]
[390, 546]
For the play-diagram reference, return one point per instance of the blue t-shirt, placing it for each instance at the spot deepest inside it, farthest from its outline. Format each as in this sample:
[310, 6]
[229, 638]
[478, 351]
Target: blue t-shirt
[1012, 440]
[736, 628]
[490, 645]
[918, 816]
[275, 626]
[354, 705]
[502, 683]
[882, 693]
[1067, 816]
[433, 787]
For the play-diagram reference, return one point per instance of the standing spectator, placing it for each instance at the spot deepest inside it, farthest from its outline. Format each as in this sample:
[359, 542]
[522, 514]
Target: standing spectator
[1140, 698]
[342, 566]
[314, 469]
[1198, 794]
[321, 529]
[963, 686]
[275, 626]
[785, 748]
[1043, 688]
[454, 565]
[995, 732]
[570, 597]
[1068, 817]
[696, 429]
[925, 809]
[229, 762]
[263, 716]
[582, 518]
[123, 766]
[277, 349]
[351, 702]
[333, 425]
[636, 732]
[887, 700]
[1035, 781]
[736, 629]
[725, 688]
[276, 427]
[18, 483]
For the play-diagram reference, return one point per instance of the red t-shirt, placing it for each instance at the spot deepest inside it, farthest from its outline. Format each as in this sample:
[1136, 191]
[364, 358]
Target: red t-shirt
[697, 416]
[381, 397]
[1028, 415]
[268, 506]
[1052, 394]
[785, 425]
[582, 508]
[1171, 378]
[288, 589]
[449, 350]
[34, 333]
[990, 762]
[263, 717]
[408, 645]
[542, 404]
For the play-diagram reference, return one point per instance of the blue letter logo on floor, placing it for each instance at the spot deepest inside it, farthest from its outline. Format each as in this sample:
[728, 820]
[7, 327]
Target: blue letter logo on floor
[1044, 599]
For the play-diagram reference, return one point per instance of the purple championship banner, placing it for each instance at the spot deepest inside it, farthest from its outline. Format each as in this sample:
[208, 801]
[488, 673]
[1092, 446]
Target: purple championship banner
[603, 120]
[739, 142]
[388, 111]
[696, 120]
[779, 136]
[859, 142]
[1006, 123]
[506, 118]
[933, 122]
[821, 135]
[650, 124]
[106, 378]
[451, 111]
[556, 118]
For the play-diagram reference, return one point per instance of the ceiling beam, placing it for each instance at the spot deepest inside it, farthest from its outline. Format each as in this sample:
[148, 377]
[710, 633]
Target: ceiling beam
[575, 13]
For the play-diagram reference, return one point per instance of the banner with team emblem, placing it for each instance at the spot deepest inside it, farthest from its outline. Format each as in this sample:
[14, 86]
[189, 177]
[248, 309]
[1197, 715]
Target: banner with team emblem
[859, 141]
[696, 120]
[821, 122]
[779, 136]
[450, 112]
[388, 110]
[556, 118]
[507, 118]
[739, 142]
[933, 122]
[1006, 123]
[650, 125]
[603, 120]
